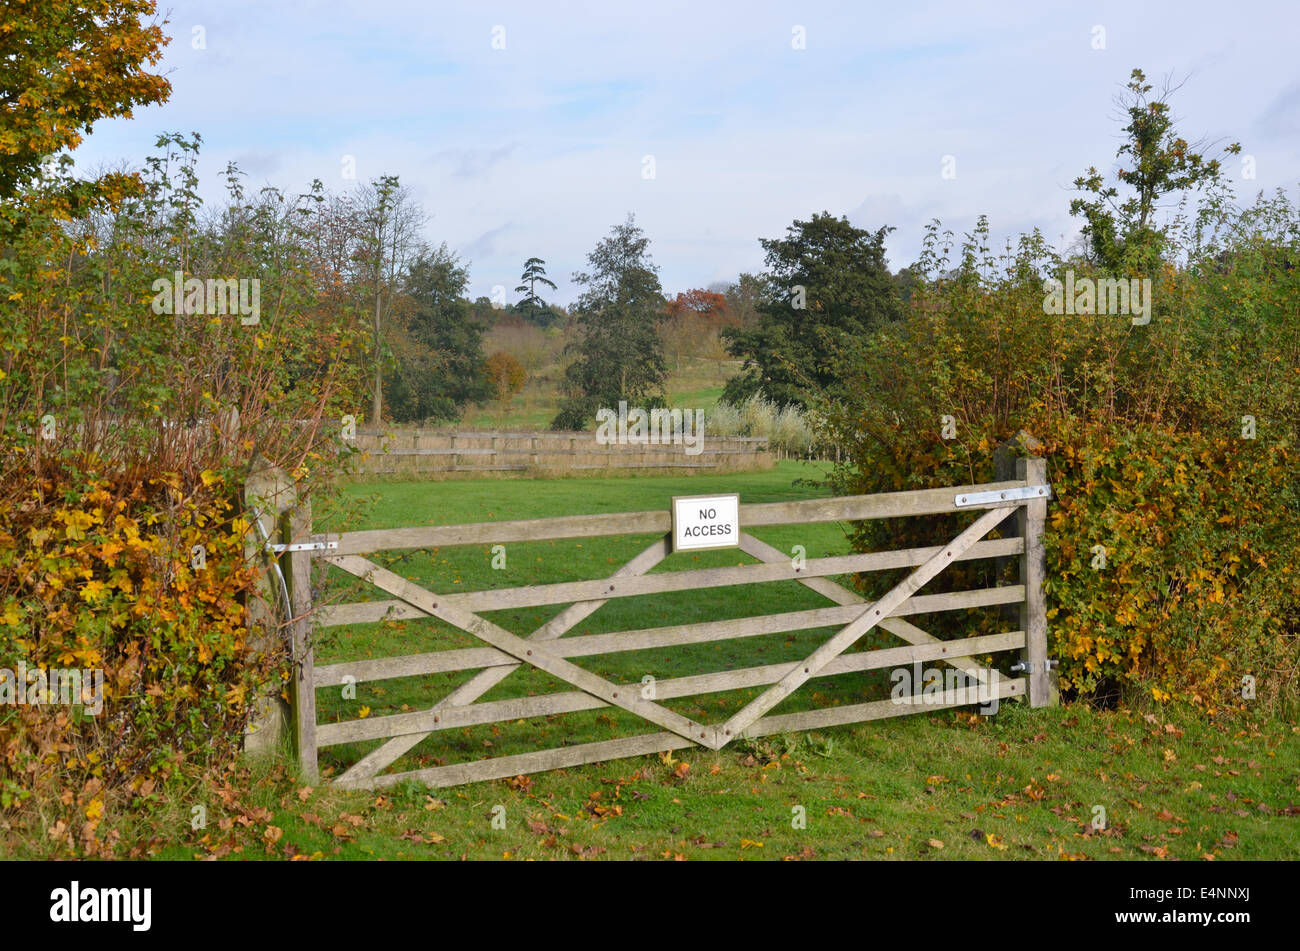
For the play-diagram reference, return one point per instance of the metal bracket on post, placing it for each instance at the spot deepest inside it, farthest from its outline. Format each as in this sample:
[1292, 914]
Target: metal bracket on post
[1003, 495]
[1027, 666]
[304, 546]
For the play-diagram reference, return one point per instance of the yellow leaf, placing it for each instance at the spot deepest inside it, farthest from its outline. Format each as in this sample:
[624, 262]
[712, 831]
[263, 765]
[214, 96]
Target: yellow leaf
[365, 712]
[93, 590]
[95, 810]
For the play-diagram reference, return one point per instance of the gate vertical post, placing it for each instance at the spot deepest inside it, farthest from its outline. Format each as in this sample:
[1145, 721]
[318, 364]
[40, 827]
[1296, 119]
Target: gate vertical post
[1031, 519]
[268, 492]
[296, 527]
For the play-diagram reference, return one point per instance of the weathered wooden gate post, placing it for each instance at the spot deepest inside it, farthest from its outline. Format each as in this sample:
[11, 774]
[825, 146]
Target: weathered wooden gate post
[296, 529]
[268, 491]
[1031, 518]
[271, 499]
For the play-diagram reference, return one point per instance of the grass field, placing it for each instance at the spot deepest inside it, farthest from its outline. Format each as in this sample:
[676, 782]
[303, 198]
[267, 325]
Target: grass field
[697, 385]
[944, 784]
[1022, 785]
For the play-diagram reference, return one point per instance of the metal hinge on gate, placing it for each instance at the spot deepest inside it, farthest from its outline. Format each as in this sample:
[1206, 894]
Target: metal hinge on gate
[1027, 666]
[1004, 495]
[303, 546]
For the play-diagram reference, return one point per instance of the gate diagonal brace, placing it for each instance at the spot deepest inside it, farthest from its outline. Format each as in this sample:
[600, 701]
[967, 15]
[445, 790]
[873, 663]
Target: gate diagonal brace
[529, 652]
[393, 749]
[845, 639]
[904, 630]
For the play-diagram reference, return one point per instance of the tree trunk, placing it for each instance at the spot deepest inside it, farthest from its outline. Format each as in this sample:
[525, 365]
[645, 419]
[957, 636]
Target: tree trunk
[377, 406]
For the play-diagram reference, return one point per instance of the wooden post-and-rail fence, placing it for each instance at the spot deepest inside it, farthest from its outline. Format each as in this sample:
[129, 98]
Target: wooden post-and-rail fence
[501, 652]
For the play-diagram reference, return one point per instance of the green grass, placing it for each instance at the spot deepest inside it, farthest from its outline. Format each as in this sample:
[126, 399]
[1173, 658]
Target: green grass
[697, 385]
[1022, 785]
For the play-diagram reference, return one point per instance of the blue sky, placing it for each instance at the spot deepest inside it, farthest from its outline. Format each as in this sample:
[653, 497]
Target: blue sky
[539, 148]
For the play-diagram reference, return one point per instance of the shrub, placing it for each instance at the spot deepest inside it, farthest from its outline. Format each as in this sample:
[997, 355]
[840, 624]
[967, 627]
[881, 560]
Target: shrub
[1145, 433]
[785, 427]
[506, 374]
[119, 452]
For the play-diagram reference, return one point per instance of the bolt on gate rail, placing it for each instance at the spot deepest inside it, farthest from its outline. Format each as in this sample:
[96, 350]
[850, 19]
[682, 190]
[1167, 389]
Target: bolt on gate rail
[503, 652]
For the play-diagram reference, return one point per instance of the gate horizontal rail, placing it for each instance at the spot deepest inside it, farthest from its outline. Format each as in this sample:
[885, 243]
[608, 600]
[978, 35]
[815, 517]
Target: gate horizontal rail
[668, 689]
[499, 599]
[849, 508]
[444, 661]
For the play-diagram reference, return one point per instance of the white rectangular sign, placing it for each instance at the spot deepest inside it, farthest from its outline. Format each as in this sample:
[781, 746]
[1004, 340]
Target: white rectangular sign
[705, 521]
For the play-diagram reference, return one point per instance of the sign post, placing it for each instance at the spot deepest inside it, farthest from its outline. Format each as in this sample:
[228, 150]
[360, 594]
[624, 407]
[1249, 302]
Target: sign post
[704, 522]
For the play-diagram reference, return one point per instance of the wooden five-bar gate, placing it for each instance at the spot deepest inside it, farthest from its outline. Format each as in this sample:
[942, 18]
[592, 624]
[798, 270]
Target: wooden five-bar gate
[504, 652]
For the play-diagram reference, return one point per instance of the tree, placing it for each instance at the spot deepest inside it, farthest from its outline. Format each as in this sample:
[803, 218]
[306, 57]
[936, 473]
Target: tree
[692, 319]
[698, 302]
[532, 305]
[826, 282]
[438, 345]
[63, 66]
[906, 282]
[1122, 236]
[744, 299]
[619, 355]
[391, 221]
[506, 376]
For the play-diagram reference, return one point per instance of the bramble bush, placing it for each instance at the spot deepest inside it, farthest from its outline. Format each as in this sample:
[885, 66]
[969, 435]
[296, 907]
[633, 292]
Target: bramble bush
[1172, 445]
[100, 577]
[1201, 584]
